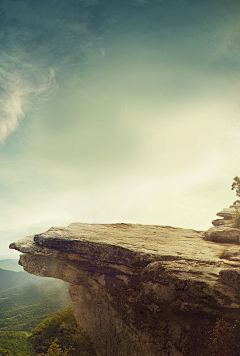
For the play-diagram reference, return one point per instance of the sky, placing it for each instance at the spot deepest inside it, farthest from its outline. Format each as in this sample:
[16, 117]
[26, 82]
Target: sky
[117, 111]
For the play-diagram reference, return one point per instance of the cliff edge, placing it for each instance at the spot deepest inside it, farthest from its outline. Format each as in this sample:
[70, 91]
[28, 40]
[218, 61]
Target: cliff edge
[139, 290]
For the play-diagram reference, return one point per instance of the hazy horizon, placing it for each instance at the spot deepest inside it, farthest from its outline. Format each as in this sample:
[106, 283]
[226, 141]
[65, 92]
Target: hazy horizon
[117, 111]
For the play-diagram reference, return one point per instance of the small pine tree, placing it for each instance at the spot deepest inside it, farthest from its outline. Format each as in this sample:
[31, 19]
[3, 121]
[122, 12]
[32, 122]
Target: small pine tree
[236, 219]
[55, 349]
[236, 186]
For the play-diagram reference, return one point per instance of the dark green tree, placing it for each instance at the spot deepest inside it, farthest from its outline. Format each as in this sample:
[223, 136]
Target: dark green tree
[55, 350]
[236, 187]
[60, 335]
[4, 352]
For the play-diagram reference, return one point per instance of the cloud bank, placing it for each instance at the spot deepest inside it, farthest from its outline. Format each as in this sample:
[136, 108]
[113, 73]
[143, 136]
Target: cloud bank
[17, 93]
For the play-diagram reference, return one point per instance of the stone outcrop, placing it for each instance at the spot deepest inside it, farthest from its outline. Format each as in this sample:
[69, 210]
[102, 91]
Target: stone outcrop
[223, 234]
[139, 290]
[224, 230]
[227, 216]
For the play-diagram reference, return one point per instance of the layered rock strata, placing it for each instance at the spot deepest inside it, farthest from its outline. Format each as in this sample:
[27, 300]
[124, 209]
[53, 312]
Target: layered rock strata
[139, 290]
[224, 230]
[227, 216]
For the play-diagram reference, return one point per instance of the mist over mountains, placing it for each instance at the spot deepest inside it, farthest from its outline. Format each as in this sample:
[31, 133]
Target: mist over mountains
[25, 301]
[10, 265]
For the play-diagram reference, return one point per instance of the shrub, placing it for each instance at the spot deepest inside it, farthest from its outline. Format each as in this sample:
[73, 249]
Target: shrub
[236, 219]
[4, 352]
[60, 335]
[223, 338]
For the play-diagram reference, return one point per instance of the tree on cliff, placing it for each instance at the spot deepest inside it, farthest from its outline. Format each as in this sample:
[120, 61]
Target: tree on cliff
[236, 215]
[236, 186]
[61, 336]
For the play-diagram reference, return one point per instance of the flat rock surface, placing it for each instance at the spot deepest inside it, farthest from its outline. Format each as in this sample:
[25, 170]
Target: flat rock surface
[223, 234]
[145, 239]
[227, 213]
[222, 222]
[136, 289]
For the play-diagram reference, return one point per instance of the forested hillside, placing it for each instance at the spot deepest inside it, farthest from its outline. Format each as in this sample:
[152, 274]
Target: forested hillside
[25, 301]
[61, 336]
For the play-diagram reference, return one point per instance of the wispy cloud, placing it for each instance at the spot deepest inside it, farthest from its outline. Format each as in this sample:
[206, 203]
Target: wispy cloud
[11, 113]
[17, 91]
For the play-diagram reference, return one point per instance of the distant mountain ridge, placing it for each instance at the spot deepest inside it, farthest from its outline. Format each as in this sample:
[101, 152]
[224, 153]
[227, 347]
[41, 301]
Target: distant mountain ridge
[25, 301]
[11, 265]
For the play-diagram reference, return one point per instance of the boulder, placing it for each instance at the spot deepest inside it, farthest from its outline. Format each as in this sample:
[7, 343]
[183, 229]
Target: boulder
[227, 214]
[223, 234]
[231, 253]
[235, 206]
[221, 222]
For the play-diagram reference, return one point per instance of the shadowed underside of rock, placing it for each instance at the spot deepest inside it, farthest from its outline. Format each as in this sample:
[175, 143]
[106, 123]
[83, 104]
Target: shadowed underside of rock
[138, 290]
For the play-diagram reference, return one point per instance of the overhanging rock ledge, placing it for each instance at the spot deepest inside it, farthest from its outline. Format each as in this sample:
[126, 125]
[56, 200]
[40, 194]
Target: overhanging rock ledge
[139, 290]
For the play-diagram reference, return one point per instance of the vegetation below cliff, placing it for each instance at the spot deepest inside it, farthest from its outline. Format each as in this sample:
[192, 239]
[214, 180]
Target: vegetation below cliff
[60, 335]
[15, 343]
[25, 301]
[30, 303]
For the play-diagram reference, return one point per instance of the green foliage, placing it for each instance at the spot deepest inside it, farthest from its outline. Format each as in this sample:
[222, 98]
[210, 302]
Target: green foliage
[55, 349]
[236, 216]
[4, 352]
[26, 300]
[236, 219]
[60, 335]
[236, 185]
[15, 343]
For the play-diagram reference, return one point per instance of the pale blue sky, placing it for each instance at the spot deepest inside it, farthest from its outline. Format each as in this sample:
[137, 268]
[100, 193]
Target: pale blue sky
[117, 111]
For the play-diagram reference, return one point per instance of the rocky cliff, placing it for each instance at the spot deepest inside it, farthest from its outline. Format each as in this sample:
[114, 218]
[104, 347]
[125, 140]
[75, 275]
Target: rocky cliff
[227, 216]
[139, 290]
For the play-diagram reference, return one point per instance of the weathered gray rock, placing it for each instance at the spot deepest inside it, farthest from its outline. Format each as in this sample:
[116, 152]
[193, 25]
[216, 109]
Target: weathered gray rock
[222, 222]
[139, 290]
[227, 213]
[227, 216]
[223, 234]
[231, 276]
[231, 253]
[236, 205]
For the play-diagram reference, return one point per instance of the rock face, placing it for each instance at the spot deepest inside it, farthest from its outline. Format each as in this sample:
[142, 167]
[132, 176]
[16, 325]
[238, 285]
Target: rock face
[224, 230]
[139, 290]
[223, 234]
[227, 215]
